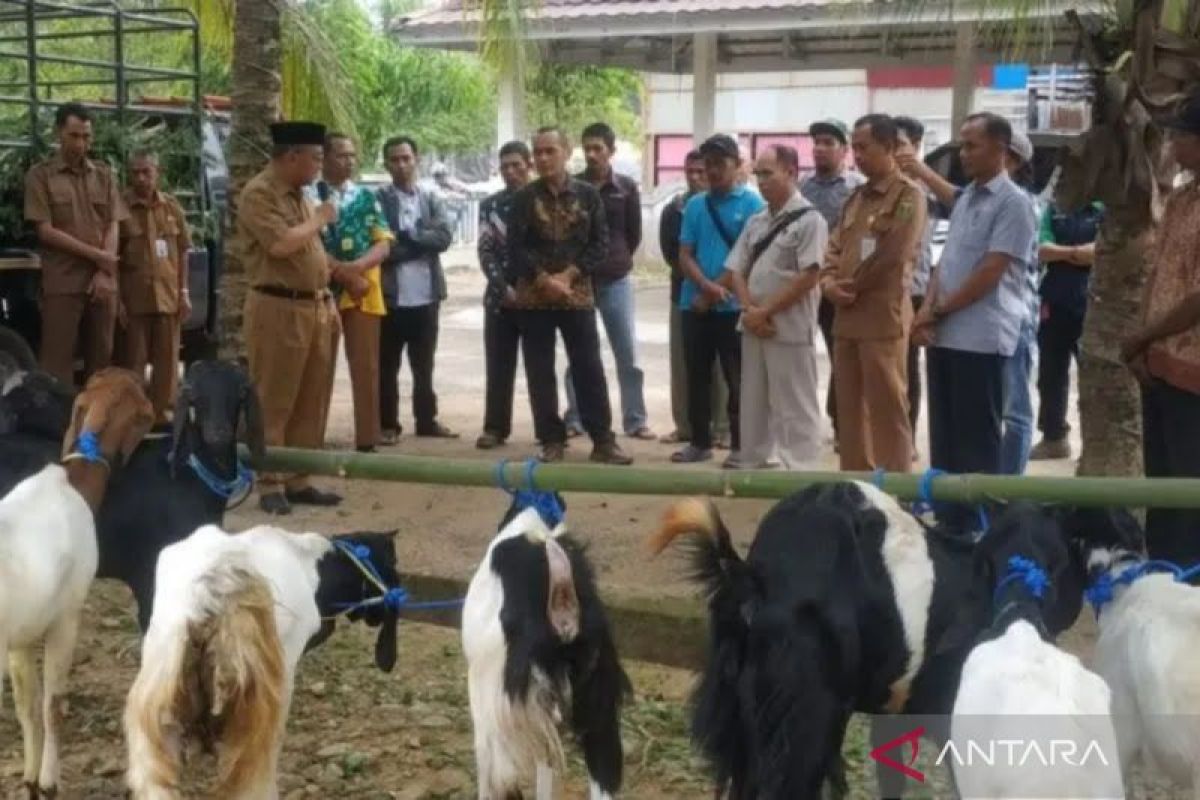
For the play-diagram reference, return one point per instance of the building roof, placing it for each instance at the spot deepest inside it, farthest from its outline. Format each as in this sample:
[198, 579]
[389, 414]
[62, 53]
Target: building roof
[762, 35]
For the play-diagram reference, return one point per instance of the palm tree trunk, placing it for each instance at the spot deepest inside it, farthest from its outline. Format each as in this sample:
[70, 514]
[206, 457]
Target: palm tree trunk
[1110, 407]
[256, 98]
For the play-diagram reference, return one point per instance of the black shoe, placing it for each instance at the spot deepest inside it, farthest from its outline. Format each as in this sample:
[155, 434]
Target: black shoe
[366, 448]
[275, 504]
[610, 453]
[437, 431]
[489, 441]
[310, 496]
[552, 452]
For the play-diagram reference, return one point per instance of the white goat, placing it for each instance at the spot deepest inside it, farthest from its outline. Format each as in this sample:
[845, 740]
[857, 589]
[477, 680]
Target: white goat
[1147, 649]
[1053, 697]
[48, 558]
[232, 615]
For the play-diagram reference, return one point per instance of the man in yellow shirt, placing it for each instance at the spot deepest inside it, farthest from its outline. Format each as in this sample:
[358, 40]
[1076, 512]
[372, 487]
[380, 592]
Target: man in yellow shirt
[357, 242]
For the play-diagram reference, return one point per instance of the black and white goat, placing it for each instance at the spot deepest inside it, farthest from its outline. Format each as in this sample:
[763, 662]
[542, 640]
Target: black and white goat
[1149, 620]
[1023, 565]
[48, 541]
[169, 487]
[539, 650]
[844, 603]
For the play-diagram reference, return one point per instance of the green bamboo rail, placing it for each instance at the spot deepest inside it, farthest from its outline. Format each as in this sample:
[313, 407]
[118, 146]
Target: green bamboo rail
[1128, 492]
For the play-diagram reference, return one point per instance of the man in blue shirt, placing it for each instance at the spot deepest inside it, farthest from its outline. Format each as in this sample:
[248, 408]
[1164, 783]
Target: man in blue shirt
[976, 304]
[712, 222]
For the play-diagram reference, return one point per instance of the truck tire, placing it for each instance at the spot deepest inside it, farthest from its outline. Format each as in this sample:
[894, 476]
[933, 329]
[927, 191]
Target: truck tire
[15, 345]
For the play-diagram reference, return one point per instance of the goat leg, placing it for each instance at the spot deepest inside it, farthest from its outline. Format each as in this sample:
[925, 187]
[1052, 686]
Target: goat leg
[60, 648]
[27, 698]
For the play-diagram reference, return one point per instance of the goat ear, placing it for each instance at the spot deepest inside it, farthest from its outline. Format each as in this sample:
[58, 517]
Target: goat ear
[183, 407]
[253, 417]
[385, 644]
[140, 424]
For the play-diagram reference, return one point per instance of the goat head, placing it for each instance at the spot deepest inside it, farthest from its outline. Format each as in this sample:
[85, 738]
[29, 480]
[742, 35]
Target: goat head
[113, 405]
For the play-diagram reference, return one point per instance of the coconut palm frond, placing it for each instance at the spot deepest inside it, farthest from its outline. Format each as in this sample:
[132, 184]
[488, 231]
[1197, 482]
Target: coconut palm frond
[316, 86]
[215, 18]
[504, 41]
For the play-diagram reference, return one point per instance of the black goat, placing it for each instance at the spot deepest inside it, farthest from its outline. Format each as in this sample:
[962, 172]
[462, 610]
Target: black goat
[539, 650]
[844, 603]
[35, 411]
[342, 581]
[173, 486]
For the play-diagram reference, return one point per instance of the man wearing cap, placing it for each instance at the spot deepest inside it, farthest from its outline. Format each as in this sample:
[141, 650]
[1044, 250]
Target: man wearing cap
[154, 290]
[1164, 353]
[976, 304]
[867, 271]
[828, 188]
[712, 222]
[75, 206]
[291, 321]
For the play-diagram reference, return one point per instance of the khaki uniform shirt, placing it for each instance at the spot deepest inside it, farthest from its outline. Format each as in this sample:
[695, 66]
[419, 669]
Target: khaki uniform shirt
[266, 209]
[874, 244]
[796, 249]
[82, 202]
[154, 241]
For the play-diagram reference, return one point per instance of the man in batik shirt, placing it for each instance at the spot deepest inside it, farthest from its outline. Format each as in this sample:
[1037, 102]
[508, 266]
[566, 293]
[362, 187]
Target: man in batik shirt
[356, 243]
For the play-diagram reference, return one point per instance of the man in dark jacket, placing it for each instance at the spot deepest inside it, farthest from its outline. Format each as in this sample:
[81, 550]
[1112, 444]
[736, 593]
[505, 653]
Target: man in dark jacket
[669, 226]
[557, 239]
[413, 288]
[613, 284]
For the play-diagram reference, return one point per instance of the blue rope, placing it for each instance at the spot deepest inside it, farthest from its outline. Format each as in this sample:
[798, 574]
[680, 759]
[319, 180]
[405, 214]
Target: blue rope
[395, 598]
[88, 448]
[544, 502]
[218, 486]
[924, 503]
[1025, 571]
[877, 477]
[1103, 589]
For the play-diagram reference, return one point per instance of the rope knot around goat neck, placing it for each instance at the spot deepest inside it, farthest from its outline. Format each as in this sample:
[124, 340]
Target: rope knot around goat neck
[1104, 587]
[393, 598]
[242, 482]
[1028, 573]
[87, 449]
[546, 503]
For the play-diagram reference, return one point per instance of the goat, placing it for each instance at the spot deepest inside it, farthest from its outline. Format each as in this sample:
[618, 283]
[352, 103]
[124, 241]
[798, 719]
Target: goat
[170, 486]
[35, 411]
[845, 602]
[539, 648]
[342, 583]
[174, 486]
[231, 617]
[1149, 620]
[1015, 676]
[48, 541]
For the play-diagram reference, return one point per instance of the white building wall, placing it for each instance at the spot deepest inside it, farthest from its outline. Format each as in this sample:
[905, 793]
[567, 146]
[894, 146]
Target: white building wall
[759, 102]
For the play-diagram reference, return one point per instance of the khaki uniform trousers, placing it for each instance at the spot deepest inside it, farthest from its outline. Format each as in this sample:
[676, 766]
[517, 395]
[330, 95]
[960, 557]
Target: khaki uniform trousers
[362, 356]
[780, 408]
[152, 339]
[71, 319]
[292, 349]
[872, 404]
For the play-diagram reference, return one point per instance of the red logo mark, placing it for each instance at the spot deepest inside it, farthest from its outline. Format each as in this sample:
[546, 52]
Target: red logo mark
[912, 738]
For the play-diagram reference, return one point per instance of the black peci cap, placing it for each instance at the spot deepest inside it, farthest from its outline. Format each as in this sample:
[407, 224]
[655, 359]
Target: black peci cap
[297, 133]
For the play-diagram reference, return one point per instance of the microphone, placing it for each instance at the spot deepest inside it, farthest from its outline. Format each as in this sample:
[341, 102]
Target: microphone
[323, 191]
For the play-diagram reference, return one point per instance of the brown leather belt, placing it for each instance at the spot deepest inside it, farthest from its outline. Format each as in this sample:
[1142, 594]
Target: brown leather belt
[291, 294]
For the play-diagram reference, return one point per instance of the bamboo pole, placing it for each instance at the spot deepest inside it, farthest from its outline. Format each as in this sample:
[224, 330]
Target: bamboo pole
[1127, 492]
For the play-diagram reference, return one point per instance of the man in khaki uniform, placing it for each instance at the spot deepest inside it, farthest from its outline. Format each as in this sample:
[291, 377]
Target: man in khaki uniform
[154, 294]
[74, 204]
[291, 322]
[867, 272]
[773, 268]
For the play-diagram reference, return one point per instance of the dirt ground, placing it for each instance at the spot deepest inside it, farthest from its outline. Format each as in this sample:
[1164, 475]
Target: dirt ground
[356, 733]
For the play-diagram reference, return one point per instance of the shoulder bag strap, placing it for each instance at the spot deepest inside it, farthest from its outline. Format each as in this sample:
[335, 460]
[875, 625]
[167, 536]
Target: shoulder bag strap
[716, 218]
[761, 246]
